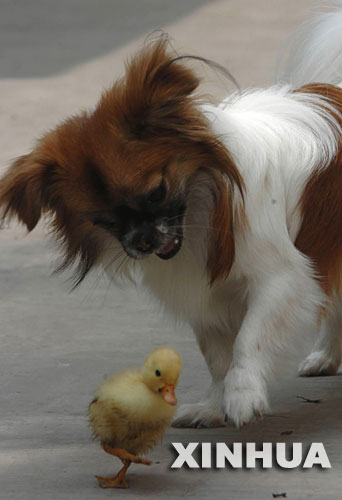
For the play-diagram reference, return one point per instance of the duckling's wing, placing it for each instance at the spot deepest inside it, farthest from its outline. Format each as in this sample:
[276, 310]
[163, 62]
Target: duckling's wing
[108, 422]
[144, 436]
[121, 429]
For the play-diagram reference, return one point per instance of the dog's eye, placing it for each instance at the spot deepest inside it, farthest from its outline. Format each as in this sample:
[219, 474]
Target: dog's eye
[99, 222]
[105, 224]
[158, 194]
[158, 374]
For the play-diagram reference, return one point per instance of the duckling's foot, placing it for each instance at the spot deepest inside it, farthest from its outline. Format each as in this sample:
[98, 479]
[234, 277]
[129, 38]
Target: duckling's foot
[118, 481]
[125, 455]
[141, 460]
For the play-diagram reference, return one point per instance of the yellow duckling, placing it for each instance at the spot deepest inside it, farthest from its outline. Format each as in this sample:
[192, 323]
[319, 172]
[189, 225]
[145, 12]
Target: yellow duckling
[132, 410]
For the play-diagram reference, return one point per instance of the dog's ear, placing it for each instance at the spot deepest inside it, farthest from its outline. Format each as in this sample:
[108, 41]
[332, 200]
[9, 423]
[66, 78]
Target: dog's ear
[24, 190]
[221, 250]
[226, 180]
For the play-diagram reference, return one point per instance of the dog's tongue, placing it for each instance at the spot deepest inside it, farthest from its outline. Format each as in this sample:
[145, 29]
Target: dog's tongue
[167, 248]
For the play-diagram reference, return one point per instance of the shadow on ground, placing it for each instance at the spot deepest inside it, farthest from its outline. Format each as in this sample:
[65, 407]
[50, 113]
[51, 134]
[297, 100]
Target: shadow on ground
[44, 37]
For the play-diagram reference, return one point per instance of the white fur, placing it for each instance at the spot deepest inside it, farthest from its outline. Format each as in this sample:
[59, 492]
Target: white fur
[257, 318]
[313, 53]
[326, 356]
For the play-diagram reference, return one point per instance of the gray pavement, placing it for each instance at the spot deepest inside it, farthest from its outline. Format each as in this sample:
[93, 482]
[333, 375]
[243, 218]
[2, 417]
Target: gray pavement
[56, 346]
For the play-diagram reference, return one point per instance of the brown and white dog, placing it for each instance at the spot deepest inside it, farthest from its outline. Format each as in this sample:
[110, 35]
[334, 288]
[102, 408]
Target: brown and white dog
[232, 214]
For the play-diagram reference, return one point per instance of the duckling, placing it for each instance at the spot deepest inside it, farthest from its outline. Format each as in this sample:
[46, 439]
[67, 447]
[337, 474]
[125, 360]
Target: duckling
[132, 410]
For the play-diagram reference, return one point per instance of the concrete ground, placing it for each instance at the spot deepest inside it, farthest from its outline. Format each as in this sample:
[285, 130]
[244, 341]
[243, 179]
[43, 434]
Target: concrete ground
[57, 346]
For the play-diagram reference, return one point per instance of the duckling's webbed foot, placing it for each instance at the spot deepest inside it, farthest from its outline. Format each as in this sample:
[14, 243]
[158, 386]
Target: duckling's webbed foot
[125, 455]
[118, 481]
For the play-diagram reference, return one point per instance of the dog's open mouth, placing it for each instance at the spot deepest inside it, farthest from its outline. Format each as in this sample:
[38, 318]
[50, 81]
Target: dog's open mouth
[171, 247]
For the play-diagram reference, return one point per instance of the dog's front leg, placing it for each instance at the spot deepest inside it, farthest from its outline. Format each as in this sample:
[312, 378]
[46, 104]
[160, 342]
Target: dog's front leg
[216, 347]
[283, 309]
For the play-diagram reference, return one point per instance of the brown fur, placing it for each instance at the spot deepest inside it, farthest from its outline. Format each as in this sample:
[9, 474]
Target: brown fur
[145, 127]
[320, 235]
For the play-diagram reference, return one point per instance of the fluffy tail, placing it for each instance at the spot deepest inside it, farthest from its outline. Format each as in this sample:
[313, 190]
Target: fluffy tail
[313, 52]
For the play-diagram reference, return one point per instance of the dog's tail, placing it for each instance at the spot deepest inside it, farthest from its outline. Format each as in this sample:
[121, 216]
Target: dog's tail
[313, 53]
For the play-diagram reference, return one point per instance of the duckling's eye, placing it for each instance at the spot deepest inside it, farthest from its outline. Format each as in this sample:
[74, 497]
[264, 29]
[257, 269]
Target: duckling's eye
[158, 374]
[160, 389]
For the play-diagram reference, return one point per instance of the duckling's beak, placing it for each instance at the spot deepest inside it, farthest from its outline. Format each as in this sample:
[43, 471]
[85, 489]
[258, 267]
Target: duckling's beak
[168, 394]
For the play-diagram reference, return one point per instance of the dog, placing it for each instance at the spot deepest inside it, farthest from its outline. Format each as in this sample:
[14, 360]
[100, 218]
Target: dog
[230, 214]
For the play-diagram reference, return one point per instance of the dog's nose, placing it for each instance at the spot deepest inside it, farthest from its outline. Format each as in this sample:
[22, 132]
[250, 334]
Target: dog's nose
[144, 245]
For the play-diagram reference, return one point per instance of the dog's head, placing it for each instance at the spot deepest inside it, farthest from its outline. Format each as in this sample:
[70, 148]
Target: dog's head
[125, 170]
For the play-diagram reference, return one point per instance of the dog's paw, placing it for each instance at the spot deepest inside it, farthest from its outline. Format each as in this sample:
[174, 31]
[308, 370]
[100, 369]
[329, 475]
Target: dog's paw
[198, 415]
[318, 363]
[245, 397]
